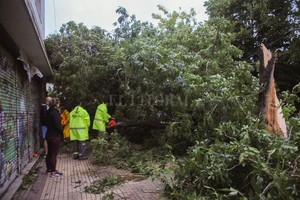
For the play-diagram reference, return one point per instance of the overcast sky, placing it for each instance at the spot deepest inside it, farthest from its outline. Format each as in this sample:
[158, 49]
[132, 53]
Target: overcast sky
[102, 12]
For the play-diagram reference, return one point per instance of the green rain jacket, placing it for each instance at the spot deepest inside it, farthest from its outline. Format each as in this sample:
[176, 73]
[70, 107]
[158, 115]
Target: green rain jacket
[101, 117]
[79, 124]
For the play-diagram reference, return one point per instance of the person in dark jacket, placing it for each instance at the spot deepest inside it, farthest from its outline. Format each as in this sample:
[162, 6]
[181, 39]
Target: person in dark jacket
[54, 136]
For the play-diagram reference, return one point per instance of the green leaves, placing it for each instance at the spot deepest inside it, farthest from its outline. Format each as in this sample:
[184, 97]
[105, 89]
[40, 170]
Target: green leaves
[247, 163]
[81, 58]
[271, 22]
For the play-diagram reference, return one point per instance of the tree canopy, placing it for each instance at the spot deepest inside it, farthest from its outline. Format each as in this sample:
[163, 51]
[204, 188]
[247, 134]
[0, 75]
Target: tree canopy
[184, 74]
[273, 22]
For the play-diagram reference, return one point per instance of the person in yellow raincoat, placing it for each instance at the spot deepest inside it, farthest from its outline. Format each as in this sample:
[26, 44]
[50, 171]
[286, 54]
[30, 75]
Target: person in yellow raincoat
[101, 118]
[79, 131]
[65, 122]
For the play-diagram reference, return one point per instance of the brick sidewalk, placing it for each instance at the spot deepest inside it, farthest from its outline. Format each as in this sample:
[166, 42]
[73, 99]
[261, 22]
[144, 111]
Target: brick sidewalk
[78, 175]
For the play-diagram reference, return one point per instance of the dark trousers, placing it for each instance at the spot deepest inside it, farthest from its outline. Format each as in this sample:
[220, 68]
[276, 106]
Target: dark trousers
[79, 147]
[53, 149]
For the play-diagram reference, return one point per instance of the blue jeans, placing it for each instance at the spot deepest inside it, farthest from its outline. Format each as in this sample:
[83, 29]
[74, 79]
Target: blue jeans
[44, 131]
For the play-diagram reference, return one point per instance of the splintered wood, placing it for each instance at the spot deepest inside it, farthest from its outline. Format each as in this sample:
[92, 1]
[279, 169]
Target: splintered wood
[269, 107]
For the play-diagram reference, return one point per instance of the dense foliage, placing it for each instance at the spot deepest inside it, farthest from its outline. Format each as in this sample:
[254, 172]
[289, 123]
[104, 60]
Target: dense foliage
[185, 85]
[182, 74]
[248, 164]
[81, 59]
[273, 22]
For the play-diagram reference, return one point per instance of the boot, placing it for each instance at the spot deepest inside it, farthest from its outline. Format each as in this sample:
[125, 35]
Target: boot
[82, 157]
[75, 155]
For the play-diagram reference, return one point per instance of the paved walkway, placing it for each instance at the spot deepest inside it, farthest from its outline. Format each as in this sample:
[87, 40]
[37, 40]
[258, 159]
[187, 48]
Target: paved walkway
[79, 174]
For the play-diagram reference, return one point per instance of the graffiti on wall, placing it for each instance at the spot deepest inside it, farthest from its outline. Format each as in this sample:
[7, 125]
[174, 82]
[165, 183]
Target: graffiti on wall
[8, 157]
[21, 127]
[17, 114]
[3, 62]
[1, 143]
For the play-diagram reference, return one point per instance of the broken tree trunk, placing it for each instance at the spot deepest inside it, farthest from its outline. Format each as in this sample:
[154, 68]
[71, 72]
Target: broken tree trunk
[269, 107]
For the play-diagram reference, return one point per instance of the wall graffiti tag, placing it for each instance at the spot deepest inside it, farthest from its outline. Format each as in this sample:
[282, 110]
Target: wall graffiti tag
[17, 111]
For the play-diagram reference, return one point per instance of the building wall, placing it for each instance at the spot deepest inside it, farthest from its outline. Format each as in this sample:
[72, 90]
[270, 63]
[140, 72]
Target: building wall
[19, 118]
[37, 10]
[24, 69]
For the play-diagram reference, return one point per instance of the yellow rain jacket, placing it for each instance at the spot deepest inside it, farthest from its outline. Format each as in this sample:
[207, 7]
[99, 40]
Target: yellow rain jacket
[79, 124]
[101, 118]
[65, 122]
